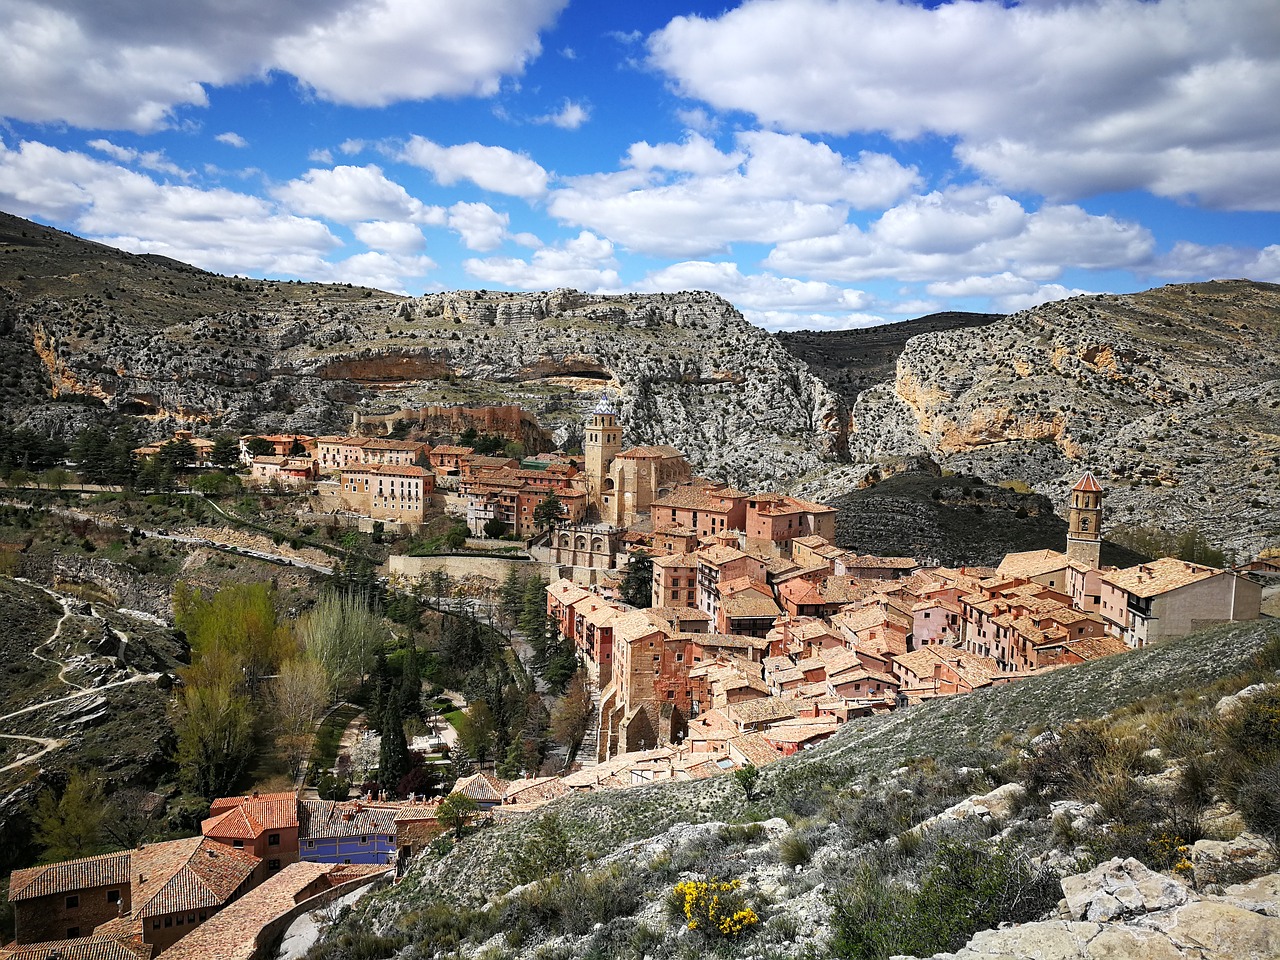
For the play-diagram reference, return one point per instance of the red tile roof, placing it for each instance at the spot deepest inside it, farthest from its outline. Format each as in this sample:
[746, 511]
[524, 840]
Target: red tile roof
[188, 874]
[105, 870]
[1088, 484]
[80, 948]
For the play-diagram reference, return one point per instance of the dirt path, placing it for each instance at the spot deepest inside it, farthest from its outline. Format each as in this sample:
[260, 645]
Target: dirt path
[50, 744]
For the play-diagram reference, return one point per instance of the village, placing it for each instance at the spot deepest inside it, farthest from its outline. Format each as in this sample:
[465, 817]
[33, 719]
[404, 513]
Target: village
[760, 638]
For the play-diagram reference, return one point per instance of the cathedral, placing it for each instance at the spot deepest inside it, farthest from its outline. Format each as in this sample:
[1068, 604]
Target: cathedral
[621, 484]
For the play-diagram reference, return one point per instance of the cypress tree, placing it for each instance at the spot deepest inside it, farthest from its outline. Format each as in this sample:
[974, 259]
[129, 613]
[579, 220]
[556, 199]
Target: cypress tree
[393, 751]
[411, 684]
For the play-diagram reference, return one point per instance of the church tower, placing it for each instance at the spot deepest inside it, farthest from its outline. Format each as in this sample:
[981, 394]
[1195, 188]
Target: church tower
[601, 443]
[1084, 524]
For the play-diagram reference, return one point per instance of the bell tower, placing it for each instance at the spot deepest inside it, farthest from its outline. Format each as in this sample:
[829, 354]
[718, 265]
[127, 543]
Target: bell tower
[602, 441]
[1084, 523]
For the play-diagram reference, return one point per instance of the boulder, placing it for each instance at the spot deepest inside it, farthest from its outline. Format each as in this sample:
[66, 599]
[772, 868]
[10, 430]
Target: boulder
[1224, 861]
[1121, 888]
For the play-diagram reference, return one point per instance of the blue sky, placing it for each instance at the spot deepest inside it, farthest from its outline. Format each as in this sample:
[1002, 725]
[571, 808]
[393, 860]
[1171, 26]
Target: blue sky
[821, 163]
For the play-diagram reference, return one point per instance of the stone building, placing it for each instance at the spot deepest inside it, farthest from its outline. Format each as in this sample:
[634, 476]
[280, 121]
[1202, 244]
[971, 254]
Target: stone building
[623, 484]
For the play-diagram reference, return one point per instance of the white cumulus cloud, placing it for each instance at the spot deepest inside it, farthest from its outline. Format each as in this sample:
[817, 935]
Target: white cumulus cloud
[133, 65]
[232, 139]
[348, 194]
[479, 225]
[585, 262]
[1067, 99]
[492, 168]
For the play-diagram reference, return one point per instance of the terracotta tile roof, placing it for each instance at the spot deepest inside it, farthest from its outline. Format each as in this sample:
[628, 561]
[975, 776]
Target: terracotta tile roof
[762, 710]
[246, 818]
[482, 787]
[405, 445]
[1088, 484]
[726, 641]
[719, 555]
[676, 615]
[749, 605]
[970, 667]
[448, 450]
[805, 732]
[1031, 563]
[676, 561]
[328, 819]
[534, 790]
[754, 749]
[698, 498]
[1095, 648]
[108, 869]
[80, 948]
[410, 812]
[232, 934]
[1159, 576]
[636, 625]
[738, 584]
[188, 874]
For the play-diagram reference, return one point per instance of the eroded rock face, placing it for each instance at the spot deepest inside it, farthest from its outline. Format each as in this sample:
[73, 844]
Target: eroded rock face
[687, 369]
[1172, 396]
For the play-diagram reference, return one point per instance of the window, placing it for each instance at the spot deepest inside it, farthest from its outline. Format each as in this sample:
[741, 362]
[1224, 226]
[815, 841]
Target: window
[155, 924]
[238, 844]
[273, 864]
[73, 901]
[347, 860]
[203, 916]
[168, 921]
[311, 844]
[273, 839]
[113, 896]
[178, 921]
[191, 919]
[364, 839]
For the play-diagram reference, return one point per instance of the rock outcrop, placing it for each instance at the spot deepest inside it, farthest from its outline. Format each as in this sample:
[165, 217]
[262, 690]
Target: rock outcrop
[180, 346]
[1123, 909]
[1172, 396]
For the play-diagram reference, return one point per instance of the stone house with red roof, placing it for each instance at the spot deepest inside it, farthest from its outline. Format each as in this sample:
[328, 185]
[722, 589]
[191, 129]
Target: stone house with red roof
[266, 825]
[68, 899]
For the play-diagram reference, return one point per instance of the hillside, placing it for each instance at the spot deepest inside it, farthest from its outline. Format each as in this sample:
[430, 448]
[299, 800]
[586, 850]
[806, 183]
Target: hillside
[818, 822]
[851, 361]
[1171, 396]
[153, 337]
[956, 520]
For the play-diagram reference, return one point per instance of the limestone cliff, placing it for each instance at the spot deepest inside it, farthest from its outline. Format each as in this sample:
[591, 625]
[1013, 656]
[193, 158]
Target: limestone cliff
[1172, 396]
[164, 340]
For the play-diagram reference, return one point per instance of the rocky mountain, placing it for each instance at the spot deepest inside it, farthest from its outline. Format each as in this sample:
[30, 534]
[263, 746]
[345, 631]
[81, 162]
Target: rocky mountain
[1171, 396]
[158, 338]
[955, 520]
[851, 361]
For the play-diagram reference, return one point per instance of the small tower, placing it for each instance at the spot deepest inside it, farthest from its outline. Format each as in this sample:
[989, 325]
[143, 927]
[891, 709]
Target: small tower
[1084, 524]
[601, 443]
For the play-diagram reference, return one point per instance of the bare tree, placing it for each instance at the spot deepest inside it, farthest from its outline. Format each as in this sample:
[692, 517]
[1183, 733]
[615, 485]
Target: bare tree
[298, 697]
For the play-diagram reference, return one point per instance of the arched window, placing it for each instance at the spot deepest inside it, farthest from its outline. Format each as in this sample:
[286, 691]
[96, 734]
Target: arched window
[580, 543]
[1084, 524]
[597, 545]
[564, 541]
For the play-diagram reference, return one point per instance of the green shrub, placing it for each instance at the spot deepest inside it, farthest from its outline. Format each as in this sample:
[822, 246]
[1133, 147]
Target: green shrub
[965, 888]
[794, 850]
[1248, 758]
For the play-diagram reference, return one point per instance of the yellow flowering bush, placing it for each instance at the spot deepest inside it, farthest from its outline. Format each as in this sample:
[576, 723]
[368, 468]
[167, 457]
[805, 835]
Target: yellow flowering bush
[1169, 852]
[715, 907]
